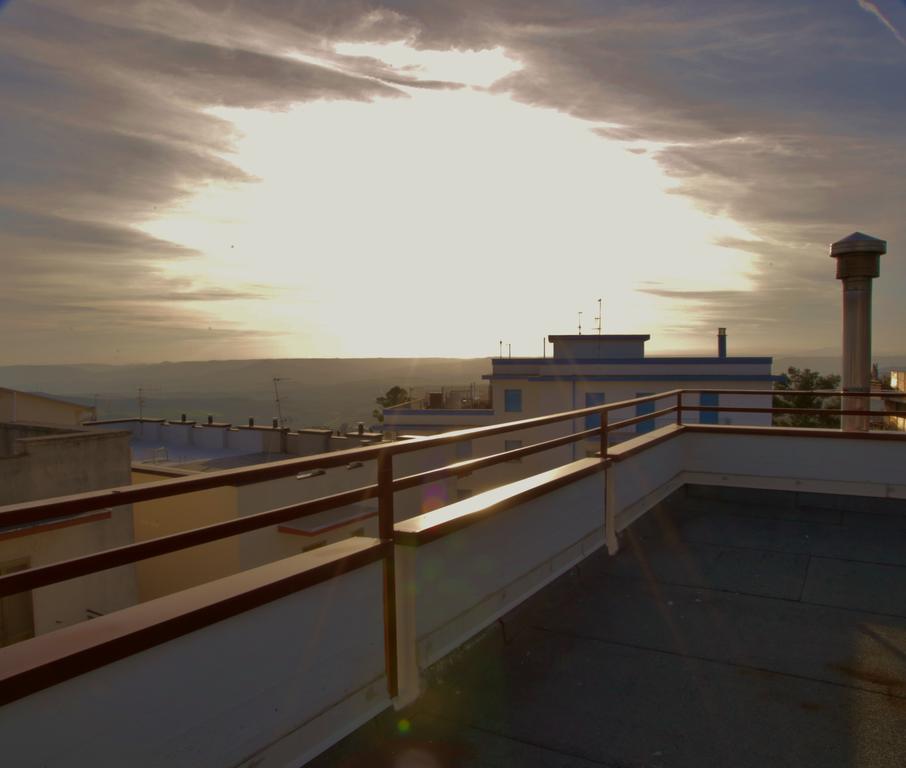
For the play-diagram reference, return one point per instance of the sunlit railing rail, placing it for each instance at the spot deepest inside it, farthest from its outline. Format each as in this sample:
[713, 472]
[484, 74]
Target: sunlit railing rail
[48, 510]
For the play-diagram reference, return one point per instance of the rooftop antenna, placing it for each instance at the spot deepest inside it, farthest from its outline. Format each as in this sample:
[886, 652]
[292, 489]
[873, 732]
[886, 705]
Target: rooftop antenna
[599, 318]
[580, 323]
[501, 349]
[277, 401]
[141, 406]
[544, 347]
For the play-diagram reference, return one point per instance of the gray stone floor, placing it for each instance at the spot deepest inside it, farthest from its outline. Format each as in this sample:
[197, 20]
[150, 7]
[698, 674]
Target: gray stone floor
[733, 633]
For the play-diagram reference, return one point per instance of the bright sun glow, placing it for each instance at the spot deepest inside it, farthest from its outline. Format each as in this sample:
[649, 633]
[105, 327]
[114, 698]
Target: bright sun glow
[438, 223]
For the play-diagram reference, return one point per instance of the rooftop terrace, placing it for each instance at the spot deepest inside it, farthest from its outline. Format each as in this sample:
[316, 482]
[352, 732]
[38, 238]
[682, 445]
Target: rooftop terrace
[733, 629]
[698, 595]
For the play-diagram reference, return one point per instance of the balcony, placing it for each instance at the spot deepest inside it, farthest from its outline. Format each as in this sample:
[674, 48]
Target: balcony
[701, 594]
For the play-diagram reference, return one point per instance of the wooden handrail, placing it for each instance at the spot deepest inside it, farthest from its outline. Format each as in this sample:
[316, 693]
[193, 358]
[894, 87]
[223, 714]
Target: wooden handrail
[384, 490]
[64, 506]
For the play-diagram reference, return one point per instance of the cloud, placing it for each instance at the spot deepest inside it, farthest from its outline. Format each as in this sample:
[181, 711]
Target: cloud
[873, 9]
[785, 120]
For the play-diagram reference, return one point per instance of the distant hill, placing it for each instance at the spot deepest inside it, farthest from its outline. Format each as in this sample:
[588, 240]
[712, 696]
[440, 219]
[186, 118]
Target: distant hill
[314, 391]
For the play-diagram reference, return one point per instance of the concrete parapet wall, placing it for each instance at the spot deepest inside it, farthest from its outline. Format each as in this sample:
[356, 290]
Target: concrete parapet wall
[270, 688]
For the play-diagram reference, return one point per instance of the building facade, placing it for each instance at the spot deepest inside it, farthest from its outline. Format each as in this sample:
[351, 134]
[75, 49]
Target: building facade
[584, 371]
[39, 462]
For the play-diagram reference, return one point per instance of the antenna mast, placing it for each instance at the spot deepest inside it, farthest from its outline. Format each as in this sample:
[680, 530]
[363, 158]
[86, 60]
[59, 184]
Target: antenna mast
[277, 402]
[599, 318]
[580, 323]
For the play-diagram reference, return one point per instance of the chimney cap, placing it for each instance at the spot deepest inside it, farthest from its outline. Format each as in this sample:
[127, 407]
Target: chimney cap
[858, 242]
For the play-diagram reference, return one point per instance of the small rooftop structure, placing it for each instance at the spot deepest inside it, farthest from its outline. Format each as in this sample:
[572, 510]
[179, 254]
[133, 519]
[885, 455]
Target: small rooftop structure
[598, 347]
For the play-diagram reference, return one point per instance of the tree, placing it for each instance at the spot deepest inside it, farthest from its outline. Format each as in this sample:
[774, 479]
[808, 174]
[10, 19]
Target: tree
[396, 395]
[806, 379]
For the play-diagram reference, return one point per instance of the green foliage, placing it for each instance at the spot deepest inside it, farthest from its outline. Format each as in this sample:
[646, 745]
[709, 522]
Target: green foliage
[806, 379]
[396, 395]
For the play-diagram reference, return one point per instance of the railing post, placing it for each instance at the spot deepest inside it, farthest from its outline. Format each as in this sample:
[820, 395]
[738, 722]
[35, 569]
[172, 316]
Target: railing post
[385, 532]
[604, 435]
[679, 408]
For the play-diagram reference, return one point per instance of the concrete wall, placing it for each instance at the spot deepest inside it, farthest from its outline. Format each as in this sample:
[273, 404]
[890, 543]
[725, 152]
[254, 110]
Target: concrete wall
[268, 688]
[47, 465]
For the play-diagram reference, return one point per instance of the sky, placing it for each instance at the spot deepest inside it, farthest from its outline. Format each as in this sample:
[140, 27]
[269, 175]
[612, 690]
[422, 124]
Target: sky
[204, 179]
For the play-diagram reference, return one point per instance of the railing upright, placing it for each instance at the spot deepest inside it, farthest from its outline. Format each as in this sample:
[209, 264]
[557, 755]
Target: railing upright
[679, 408]
[604, 435]
[385, 532]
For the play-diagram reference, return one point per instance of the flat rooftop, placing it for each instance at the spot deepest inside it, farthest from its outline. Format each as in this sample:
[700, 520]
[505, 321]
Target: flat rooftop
[732, 629]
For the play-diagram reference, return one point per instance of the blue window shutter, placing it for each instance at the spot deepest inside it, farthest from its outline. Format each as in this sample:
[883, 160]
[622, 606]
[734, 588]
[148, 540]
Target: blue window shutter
[512, 400]
[708, 398]
[641, 409]
[592, 399]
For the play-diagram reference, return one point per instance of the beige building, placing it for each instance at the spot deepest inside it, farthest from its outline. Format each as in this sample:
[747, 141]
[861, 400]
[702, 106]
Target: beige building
[18, 406]
[38, 462]
[162, 449]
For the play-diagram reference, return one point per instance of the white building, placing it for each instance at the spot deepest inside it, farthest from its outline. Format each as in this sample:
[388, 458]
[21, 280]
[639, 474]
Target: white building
[584, 371]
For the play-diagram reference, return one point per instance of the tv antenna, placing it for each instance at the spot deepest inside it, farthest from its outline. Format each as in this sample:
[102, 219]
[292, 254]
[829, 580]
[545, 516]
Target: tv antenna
[277, 401]
[142, 402]
[599, 318]
[580, 323]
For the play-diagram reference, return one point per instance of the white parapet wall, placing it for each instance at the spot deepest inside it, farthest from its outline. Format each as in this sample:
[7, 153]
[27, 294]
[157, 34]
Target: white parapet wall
[648, 469]
[272, 682]
[452, 587]
[833, 463]
[270, 687]
[651, 471]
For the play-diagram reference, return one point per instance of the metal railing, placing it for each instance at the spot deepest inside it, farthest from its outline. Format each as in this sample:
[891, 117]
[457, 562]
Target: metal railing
[50, 510]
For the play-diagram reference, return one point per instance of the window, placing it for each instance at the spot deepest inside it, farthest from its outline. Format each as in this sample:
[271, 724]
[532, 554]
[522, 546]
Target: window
[512, 445]
[591, 399]
[643, 408]
[512, 400]
[708, 398]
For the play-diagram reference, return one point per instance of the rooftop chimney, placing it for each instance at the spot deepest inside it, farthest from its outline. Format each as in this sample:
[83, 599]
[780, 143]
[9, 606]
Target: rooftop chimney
[251, 422]
[361, 428]
[210, 419]
[183, 417]
[858, 263]
[275, 422]
[721, 342]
